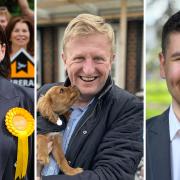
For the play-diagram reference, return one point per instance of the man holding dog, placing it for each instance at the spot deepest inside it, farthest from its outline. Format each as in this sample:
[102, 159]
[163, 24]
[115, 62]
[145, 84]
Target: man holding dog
[163, 131]
[104, 133]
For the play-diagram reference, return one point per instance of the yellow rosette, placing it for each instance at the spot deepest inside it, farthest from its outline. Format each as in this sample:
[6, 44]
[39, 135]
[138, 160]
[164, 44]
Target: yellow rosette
[20, 123]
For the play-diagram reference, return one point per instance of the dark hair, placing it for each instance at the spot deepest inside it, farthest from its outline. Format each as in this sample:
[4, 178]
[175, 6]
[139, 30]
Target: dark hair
[171, 26]
[14, 20]
[5, 65]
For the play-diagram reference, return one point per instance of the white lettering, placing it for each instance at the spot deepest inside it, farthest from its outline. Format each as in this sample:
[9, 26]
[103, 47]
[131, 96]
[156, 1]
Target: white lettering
[23, 82]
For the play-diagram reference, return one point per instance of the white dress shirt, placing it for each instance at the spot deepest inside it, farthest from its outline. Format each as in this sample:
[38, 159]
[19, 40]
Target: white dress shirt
[174, 129]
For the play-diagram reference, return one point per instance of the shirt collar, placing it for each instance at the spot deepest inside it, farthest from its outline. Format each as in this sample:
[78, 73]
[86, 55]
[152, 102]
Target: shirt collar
[174, 124]
[84, 108]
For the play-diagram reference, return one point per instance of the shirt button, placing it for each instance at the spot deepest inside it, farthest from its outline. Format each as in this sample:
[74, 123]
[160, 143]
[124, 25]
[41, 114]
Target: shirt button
[84, 132]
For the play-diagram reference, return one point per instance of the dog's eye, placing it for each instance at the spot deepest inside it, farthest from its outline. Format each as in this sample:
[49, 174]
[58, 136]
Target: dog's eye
[61, 91]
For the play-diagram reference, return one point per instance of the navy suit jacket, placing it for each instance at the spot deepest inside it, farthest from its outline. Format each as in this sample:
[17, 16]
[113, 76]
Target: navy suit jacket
[13, 96]
[158, 163]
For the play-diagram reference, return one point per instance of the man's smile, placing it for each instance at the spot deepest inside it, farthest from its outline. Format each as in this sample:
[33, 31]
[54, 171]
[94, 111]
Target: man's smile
[88, 78]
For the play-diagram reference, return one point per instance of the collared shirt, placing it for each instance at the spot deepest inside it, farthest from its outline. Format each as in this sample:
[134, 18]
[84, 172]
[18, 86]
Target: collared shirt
[174, 129]
[77, 112]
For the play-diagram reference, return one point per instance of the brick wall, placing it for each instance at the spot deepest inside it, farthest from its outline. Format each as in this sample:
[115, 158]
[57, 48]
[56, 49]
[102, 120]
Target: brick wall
[134, 56]
[47, 62]
[49, 54]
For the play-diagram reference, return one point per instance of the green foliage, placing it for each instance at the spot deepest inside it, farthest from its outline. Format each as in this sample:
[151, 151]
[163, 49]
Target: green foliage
[157, 98]
[13, 6]
[152, 58]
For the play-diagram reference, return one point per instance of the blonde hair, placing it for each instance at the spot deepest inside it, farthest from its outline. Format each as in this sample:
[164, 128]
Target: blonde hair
[4, 12]
[87, 24]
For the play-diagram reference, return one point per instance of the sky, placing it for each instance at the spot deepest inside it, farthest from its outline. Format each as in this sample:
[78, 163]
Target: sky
[155, 18]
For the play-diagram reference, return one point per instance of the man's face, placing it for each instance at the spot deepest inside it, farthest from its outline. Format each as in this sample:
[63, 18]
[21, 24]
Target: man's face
[3, 21]
[170, 67]
[88, 61]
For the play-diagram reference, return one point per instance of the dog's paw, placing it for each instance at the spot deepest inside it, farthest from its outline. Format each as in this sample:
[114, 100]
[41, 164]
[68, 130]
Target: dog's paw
[38, 178]
[43, 160]
[79, 170]
[74, 171]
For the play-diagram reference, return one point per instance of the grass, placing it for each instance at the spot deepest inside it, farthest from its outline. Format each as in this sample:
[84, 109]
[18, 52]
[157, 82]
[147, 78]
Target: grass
[157, 98]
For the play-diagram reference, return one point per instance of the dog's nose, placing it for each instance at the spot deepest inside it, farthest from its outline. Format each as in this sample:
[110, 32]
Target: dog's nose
[74, 88]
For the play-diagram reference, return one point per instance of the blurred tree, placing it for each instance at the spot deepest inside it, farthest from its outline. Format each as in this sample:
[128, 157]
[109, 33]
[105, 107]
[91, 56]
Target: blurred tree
[13, 6]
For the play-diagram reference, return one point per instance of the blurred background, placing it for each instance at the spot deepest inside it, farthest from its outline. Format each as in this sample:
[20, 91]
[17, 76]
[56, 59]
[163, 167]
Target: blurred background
[17, 20]
[157, 13]
[125, 16]
[14, 7]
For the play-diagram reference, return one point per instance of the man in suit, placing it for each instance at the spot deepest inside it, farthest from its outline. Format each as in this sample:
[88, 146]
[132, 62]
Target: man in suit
[163, 132]
[104, 132]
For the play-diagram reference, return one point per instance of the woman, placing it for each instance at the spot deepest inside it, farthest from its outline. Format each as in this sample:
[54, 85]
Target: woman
[12, 96]
[20, 34]
[4, 16]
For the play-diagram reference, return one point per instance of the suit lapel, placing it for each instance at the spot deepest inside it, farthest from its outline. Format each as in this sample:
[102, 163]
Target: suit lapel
[160, 147]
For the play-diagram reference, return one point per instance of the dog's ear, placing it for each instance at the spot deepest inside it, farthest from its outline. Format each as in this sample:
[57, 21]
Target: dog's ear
[44, 106]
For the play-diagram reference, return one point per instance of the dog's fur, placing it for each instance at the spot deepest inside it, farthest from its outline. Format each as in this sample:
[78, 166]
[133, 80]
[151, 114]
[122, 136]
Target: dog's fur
[57, 101]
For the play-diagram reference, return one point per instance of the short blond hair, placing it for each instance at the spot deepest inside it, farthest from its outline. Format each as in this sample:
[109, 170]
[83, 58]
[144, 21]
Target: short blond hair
[87, 24]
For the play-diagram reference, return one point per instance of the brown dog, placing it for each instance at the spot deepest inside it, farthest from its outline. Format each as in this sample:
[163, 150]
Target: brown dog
[57, 101]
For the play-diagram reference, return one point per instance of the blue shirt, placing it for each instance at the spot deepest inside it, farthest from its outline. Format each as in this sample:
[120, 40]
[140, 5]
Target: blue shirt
[77, 112]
